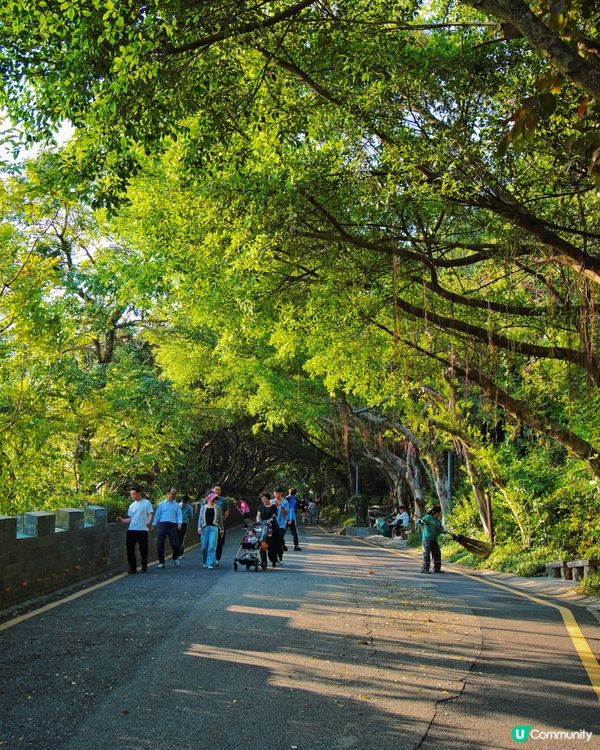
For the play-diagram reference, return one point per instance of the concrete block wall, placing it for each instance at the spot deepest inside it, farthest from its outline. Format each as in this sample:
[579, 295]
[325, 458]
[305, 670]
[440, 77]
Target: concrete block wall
[42, 552]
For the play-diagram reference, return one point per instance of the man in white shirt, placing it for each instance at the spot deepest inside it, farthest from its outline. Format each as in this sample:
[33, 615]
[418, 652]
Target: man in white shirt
[139, 518]
[400, 522]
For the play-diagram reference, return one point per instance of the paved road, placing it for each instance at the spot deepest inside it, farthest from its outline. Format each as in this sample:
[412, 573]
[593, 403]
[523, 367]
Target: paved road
[347, 646]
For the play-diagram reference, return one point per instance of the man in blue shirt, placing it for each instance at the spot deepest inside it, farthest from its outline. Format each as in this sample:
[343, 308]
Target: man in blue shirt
[168, 518]
[283, 511]
[292, 500]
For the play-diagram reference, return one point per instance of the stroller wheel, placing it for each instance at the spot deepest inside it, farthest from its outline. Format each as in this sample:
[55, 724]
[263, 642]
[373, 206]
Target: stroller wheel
[264, 566]
[235, 566]
[256, 568]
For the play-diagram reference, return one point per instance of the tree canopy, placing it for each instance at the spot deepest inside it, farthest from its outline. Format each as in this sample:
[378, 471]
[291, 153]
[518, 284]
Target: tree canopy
[375, 224]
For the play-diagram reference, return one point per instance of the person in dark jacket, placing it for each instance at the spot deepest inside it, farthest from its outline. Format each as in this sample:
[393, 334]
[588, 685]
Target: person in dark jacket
[187, 516]
[267, 511]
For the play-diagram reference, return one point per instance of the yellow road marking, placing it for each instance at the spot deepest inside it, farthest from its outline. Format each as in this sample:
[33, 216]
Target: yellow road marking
[48, 607]
[70, 598]
[589, 661]
[584, 651]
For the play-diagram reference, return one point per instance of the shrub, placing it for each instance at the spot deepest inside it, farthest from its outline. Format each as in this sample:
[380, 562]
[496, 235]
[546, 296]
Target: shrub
[529, 568]
[330, 514]
[591, 585]
[116, 505]
[454, 552]
[360, 504]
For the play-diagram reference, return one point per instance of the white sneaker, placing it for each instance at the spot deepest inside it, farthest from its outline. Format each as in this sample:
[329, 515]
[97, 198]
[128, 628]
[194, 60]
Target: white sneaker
[211, 567]
[177, 562]
[217, 564]
[205, 565]
[160, 565]
[181, 557]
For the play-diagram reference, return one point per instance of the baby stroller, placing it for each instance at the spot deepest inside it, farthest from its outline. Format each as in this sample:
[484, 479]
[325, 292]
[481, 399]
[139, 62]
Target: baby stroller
[252, 551]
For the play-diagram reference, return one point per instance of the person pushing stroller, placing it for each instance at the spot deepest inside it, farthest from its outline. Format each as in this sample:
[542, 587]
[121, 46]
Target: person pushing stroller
[267, 511]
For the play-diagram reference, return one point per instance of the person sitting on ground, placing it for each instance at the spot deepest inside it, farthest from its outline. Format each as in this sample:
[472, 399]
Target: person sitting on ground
[382, 526]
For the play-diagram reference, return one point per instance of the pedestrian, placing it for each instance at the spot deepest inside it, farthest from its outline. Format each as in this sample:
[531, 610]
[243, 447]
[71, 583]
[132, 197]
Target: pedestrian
[283, 511]
[139, 518]
[210, 528]
[223, 504]
[313, 512]
[244, 509]
[304, 510]
[431, 527]
[293, 505]
[267, 511]
[168, 519]
[187, 516]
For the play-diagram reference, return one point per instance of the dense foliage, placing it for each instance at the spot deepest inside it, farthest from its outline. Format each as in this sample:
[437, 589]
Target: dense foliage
[338, 238]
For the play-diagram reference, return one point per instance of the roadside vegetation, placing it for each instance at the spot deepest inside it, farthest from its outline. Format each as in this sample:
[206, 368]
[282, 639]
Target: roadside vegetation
[352, 244]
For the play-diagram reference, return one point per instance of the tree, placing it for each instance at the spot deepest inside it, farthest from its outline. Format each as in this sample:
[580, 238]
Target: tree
[343, 171]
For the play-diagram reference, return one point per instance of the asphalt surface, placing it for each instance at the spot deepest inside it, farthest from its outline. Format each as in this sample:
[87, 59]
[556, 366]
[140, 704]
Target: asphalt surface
[347, 646]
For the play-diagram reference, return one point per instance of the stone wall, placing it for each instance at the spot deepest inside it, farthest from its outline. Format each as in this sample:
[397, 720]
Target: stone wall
[43, 552]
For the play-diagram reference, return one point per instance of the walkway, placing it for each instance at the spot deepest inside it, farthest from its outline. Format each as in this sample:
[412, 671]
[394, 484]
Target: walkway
[347, 646]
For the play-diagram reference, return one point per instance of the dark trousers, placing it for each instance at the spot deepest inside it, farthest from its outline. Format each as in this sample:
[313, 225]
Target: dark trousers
[220, 542]
[167, 529]
[181, 537]
[294, 529]
[140, 538]
[278, 533]
[275, 544]
[431, 548]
